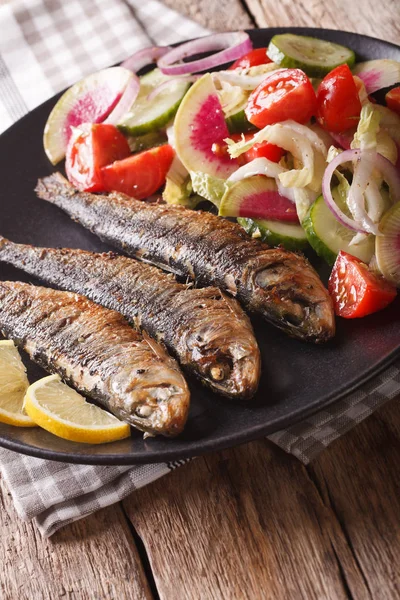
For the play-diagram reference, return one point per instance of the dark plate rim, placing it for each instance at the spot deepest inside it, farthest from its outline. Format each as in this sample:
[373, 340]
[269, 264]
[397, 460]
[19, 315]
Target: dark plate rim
[201, 447]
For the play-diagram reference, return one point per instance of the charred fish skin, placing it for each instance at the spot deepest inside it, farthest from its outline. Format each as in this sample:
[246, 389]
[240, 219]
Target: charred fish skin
[95, 350]
[206, 330]
[280, 285]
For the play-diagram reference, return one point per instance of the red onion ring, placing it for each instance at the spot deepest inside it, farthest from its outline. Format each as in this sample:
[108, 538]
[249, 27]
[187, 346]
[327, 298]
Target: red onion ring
[232, 45]
[384, 166]
[165, 84]
[346, 156]
[125, 102]
[145, 57]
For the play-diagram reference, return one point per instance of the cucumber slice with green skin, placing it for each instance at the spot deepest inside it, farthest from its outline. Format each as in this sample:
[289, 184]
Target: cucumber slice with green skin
[327, 236]
[388, 245]
[239, 123]
[146, 116]
[315, 57]
[276, 233]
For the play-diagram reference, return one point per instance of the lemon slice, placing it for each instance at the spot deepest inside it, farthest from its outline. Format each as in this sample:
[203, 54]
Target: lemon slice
[13, 385]
[61, 410]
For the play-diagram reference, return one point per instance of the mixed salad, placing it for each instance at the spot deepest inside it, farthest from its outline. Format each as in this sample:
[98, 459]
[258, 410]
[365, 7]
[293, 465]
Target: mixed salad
[289, 139]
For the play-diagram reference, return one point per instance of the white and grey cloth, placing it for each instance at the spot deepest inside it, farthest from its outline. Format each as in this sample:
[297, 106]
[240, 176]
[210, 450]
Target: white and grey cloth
[46, 45]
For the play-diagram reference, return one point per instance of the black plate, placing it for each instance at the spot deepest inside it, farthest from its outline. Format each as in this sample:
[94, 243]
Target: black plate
[298, 379]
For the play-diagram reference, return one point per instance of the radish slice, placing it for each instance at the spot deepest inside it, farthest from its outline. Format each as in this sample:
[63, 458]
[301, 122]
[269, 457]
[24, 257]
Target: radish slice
[388, 245]
[200, 130]
[145, 57]
[90, 100]
[378, 74]
[257, 198]
[232, 45]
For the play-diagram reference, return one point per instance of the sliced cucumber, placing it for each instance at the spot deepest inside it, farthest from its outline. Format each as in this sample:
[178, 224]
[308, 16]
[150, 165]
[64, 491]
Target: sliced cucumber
[276, 233]
[388, 245]
[315, 57]
[238, 122]
[327, 236]
[146, 116]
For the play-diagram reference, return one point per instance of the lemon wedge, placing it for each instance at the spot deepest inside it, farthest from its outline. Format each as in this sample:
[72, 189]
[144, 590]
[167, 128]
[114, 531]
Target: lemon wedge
[61, 410]
[13, 385]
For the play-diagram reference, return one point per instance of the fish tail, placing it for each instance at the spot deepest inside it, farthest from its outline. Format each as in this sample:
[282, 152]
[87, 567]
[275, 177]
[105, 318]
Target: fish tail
[49, 188]
[4, 242]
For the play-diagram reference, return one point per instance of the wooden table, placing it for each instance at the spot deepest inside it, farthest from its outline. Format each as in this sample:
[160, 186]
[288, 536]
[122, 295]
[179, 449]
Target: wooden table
[251, 522]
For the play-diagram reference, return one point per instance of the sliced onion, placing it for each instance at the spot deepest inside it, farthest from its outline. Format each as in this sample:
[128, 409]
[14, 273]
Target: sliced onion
[360, 182]
[343, 157]
[125, 102]
[263, 166]
[258, 166]
[145, 57]
[232, 45]
[246, 82]
[390, 174]
[166, 84]
[356, 200]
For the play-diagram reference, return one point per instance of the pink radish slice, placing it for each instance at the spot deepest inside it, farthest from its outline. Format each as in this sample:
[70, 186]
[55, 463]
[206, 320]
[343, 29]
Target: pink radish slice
[200, 130]
[90, 100]
[257, 197]
[378, 74]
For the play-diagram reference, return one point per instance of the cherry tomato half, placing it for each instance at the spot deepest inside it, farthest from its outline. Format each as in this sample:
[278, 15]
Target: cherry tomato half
[139, 175]
[260, 150]
[96, 146]
[393, 99]
[357, 291]
[252, 59]
[338, 103]
[265, 150]
[283, 94]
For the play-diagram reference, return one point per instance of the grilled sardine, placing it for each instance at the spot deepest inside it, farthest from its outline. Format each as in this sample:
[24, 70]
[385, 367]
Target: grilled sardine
[206, 330]
[278, 284]
[97, 352]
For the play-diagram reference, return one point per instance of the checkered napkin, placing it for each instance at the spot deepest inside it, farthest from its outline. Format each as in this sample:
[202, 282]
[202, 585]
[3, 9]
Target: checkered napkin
[45, 45]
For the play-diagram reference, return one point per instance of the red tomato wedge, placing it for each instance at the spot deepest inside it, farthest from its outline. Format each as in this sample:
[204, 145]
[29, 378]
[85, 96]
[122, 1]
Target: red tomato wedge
[338, 102]
[265, 150]
[98, 145]
[357, 291]
[252, 59]
[393, 100]
[259, 150]
[141, 174]
[283, 94]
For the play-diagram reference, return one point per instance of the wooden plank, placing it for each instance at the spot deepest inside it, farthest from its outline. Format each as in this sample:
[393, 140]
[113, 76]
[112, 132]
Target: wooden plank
[221, 15]
[359, 481]
[245, 523]
[92, 559]
[363, 16]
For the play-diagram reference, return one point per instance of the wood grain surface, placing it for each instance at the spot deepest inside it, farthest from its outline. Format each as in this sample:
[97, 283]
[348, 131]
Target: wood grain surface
[251, 522]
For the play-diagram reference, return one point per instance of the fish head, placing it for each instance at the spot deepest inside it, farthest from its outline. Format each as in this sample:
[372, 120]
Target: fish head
[154, 400]
[289, 293]
[220, 344]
